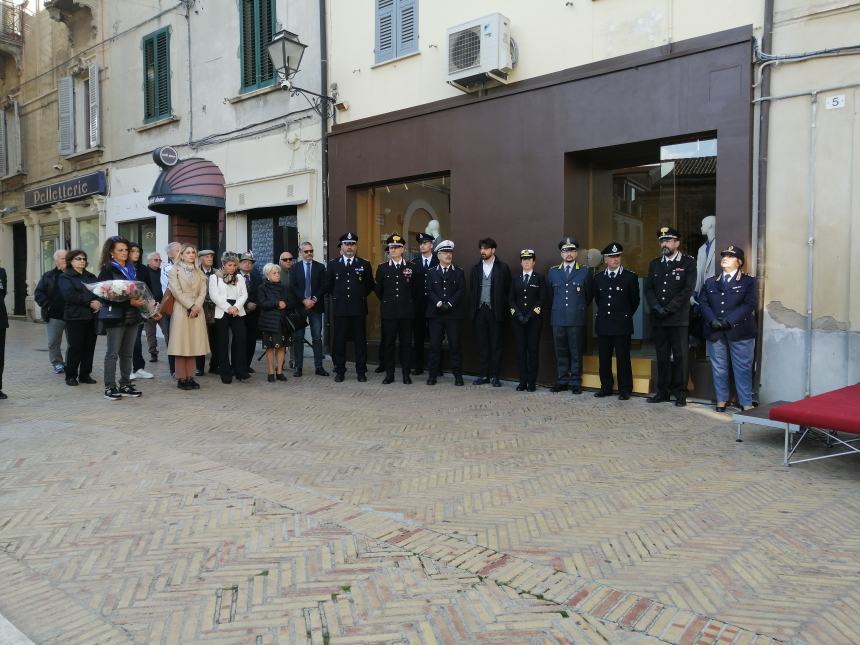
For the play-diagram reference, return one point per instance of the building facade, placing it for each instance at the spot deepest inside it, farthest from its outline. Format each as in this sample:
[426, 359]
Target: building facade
[606, 120]
[122, 79]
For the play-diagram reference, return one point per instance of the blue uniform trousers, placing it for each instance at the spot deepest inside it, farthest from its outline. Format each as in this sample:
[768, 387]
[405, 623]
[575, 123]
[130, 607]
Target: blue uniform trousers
[741, 353]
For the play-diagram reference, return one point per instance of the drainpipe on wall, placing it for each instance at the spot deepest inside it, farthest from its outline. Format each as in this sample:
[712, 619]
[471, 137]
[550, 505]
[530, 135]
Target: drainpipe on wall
[810, 239]
[188, 4]
[324, 125]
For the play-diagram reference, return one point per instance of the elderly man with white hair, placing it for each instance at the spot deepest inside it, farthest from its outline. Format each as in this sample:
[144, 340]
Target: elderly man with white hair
[50, 300]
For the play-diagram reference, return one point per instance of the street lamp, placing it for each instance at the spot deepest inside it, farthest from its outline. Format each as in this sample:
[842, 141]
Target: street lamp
[286, 51]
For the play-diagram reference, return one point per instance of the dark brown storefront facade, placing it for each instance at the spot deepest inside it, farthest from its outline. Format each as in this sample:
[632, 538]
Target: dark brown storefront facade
[525, 164]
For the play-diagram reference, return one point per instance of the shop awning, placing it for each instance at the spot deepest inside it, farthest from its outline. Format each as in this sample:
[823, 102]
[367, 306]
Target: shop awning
[191, 187]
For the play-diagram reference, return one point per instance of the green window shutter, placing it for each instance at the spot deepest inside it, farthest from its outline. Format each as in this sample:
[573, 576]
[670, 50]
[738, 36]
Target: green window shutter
[266, 29]
[257, 27]
[156, 76]
[249, 57]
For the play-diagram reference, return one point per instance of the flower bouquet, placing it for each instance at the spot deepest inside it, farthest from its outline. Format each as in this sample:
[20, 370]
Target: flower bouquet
[124, 290]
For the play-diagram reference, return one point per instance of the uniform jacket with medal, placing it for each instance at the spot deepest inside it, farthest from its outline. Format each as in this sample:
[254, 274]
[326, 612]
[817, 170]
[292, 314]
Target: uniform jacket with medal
[400, 289]
[526, 297]
[735, 302]
[617, 299]
[349, 288]
[446, 286]
[571, 294]
[670, 284]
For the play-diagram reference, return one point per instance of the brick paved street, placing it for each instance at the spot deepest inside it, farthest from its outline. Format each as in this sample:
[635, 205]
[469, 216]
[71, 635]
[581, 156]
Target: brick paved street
[315, 512]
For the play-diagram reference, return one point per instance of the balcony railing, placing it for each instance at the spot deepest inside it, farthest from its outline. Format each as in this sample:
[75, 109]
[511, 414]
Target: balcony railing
[11, 22]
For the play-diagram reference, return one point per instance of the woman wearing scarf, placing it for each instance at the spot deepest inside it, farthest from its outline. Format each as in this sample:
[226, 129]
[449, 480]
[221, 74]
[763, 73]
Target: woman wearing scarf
[120, 320]
[188, 335]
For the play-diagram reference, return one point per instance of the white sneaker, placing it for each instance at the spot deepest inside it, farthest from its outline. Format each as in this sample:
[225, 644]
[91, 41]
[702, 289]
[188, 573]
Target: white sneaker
[132, 376]
[142, 373]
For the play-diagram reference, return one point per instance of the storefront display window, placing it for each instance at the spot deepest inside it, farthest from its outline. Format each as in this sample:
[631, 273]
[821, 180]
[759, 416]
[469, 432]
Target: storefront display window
[49, 243]
[141, 231]
[406, 208]
[88, 240]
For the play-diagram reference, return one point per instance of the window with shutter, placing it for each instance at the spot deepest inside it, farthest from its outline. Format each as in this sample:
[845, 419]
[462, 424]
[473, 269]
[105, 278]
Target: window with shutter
[396, 29]
[4, 160]
[257, 27]
[66, 114]
[156, 76]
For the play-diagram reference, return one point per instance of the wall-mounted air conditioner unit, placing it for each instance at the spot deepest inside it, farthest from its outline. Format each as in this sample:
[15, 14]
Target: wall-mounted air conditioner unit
[481, 53]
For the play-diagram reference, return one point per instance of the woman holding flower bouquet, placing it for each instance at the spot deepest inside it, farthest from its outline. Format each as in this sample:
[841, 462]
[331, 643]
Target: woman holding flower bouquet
[79, 313]
[120, 320]
[188, 336]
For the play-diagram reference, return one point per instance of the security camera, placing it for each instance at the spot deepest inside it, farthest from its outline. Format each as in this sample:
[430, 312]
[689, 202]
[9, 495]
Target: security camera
[286, 84]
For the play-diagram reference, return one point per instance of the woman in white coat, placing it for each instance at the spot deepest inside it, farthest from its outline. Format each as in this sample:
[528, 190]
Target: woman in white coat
[229, 293]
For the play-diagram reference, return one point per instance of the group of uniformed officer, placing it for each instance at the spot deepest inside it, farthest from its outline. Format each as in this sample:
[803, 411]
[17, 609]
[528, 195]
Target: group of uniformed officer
[430, 293]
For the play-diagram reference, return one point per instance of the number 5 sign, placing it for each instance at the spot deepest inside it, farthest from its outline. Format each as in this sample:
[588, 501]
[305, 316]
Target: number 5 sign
[834, 102]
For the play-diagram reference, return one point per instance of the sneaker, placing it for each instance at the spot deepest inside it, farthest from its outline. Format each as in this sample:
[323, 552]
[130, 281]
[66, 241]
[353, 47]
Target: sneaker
[59, 368]
[128, 390]
[112, 394]
[132, 376]
[142, 373]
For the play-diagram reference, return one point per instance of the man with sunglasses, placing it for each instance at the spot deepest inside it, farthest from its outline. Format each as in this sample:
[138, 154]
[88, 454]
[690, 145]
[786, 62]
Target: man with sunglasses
[307, 280]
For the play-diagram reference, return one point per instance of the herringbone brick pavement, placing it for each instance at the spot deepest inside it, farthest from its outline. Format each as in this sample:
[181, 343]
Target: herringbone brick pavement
[354, 513]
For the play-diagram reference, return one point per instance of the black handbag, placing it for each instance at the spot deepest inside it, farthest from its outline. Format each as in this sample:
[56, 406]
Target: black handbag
[296, 320]
[111, 311]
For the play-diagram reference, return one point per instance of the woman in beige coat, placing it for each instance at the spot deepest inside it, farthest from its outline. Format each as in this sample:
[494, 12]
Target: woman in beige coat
[188, 336]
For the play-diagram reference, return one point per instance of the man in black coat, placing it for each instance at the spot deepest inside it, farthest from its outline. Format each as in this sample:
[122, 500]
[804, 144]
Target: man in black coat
[616, 296]
[150, 274]
[4, 325]
[424, 261]
[489, 283]
[310, 294]
[399, 288]
[50, 300]
[253, 280]
[446, 286]
[668, 287]
[349, 280]
[527, 299]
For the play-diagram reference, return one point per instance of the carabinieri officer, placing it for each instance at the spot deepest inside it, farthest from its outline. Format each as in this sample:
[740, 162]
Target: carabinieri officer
[728, 305]
[349, 280]
[446, 286]
[668, 287]
[528, 295]
[616, 296]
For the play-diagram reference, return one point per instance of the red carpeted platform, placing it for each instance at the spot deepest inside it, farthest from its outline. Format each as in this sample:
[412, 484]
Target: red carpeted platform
[837, 410]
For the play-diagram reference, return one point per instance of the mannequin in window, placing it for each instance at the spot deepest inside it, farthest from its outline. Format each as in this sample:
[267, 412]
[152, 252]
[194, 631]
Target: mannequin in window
[434, 230]
[705, 257]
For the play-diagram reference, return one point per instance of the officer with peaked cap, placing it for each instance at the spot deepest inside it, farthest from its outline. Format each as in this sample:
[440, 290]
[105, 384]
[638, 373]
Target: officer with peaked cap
[527, 302]
[728, 305]
[445, 312]
[349, 280]
[570, 286]
[616, 298]
[423, 262]
[670, 283]
[399, 289]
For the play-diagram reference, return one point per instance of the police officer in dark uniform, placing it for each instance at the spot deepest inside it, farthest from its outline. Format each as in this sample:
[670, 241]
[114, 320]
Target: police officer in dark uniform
[399, 288]
[349, 280]
[445, 312]
[668, 287]
[4, 325]
[616, 296]
[424, 261]
[527, 298]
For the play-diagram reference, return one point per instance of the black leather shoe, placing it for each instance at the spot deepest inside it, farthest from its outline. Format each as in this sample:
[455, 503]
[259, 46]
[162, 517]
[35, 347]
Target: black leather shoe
[280, 376]
[194, 384]
[417, 372]
[576, 389]
[521, 387]
[496, 383]
[226, 380]
[558, 387]
[3, 396]
[388, 380]
[600, 394]
[251, 370]
[71, 381]
[431, 380]
[407, 380]
[321, 372]
[297, 373]
[271, 378]
[338, 378]
[719, 408]
[362, 378]
[86, 379]
[458, 381]
[531, 387]
[153, 357]
[380, 369]
[623, 396]
[681, 401]
[658, 398]
[480, 381]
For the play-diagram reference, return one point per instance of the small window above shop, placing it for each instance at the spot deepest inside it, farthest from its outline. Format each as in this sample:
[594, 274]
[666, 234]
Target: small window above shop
[396, 29]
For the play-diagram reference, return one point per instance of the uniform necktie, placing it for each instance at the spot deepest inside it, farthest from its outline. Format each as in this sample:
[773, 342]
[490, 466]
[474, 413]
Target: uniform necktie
[445, 271]
[349, 264]
[426, 263]
[567, 271]
[307, 279]
[612, 275]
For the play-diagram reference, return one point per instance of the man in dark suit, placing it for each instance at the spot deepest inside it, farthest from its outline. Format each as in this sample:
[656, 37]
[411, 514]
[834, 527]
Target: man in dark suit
[50, 300]
[398, 288]
[527, 298]
[4, 325]
[253, 280]
[489, 283]
[668, 287]
[616, 296]
[349, 280]
[424, 261]
[308, 279]
[445, 312]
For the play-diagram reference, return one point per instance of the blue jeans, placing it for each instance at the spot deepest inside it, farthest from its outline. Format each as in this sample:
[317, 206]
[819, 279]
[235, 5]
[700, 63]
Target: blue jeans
[315, 322]
[742, 353]
[568, 353]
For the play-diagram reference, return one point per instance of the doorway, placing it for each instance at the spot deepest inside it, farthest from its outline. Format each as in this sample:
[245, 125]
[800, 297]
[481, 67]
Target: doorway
[19, 268]
[271, 231]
